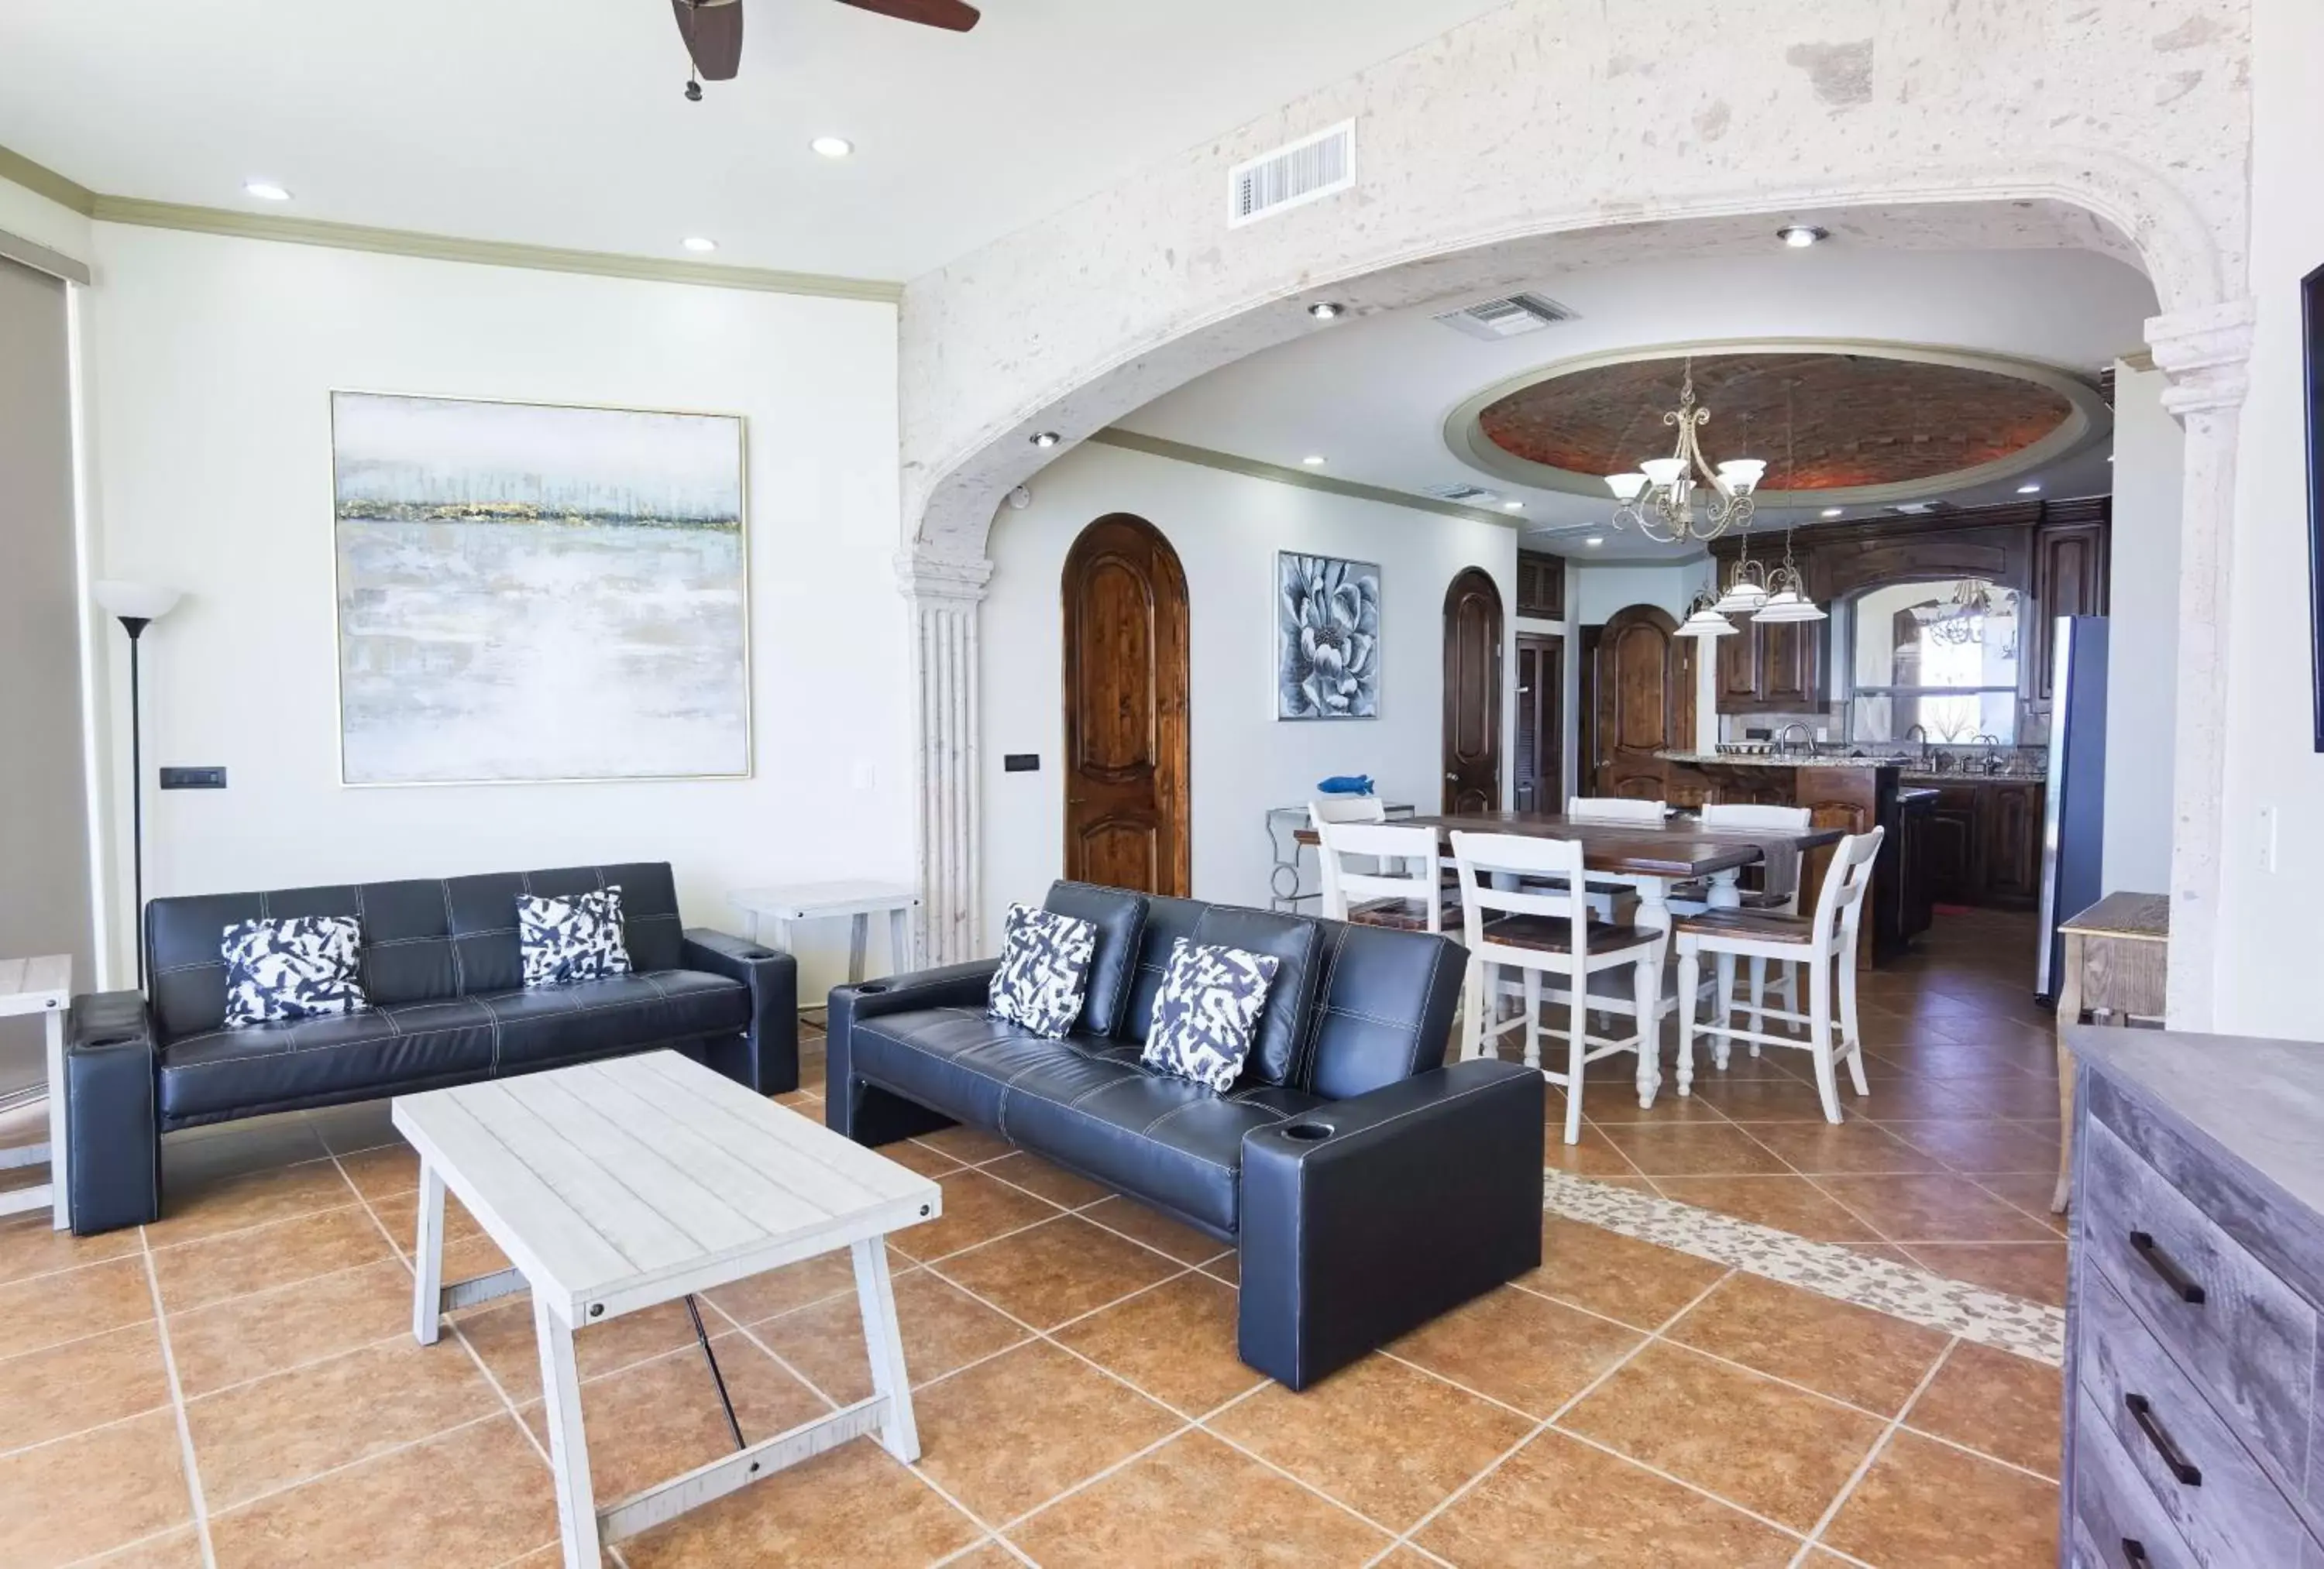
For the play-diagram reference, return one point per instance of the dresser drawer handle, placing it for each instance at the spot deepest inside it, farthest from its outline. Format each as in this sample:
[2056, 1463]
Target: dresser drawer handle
[2162, 1263]
[2133, 1555]
[2143, 1413]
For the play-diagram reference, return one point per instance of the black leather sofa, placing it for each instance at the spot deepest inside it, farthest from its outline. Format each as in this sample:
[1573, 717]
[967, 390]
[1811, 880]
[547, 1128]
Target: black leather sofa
[442, 968]
[1368, 1186]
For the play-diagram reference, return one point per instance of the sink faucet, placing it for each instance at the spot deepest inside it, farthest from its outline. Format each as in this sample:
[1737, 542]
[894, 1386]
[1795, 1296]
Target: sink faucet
[1783, 738]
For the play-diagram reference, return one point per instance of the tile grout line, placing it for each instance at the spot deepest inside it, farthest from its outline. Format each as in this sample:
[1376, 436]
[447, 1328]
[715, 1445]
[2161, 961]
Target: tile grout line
[1879, 1446]
[194, 1496]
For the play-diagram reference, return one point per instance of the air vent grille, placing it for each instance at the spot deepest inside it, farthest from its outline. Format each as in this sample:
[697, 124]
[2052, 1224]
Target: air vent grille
[1472, 495]
[1303, 171]
[1506, 318]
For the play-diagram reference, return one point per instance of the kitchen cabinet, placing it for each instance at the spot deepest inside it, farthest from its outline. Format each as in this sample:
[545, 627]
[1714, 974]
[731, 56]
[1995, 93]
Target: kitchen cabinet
[1772, 667]
[1541, 585]
[2069, 579]
[1915, 898]
[1985, 843]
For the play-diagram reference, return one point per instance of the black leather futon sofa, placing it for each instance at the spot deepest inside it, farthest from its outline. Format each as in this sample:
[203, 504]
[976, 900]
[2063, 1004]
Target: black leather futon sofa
[1368, 1186]
[442, 968]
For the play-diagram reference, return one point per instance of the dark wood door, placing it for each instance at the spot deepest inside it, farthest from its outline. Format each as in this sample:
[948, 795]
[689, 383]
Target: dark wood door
[2013, 845]
[1636, 704]
[1952, 853]
[1472, 694]
[1125, 699]
[1537, 772]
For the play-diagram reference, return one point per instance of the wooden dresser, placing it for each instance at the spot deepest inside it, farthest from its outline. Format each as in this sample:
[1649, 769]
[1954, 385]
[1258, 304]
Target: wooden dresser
[2194, 1426]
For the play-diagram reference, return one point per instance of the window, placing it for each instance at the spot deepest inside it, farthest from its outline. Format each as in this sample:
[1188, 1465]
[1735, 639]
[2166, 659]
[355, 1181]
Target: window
[1937, 658]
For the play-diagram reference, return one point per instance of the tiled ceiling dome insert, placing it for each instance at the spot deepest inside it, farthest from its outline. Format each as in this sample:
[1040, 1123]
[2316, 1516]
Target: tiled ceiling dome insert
[1860, 420]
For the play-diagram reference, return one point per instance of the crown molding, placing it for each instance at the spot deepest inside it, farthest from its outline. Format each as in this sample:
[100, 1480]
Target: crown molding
[42, 180]
[31, 253]
[1251, 468]
[151, 214]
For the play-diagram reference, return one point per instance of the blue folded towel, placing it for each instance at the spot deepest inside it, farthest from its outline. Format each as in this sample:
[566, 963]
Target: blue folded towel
[1346, 785]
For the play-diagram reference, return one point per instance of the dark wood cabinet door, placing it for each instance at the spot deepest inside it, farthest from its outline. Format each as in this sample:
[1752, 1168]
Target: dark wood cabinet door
[1636, 709]
[2013, 845]
[1472, 694]
[1917, 898]
[1126, 704]
[1541, 585]
[1538, 773]
[1791, 663]
[1952, 855]
[1738, 670]
[2069, 579]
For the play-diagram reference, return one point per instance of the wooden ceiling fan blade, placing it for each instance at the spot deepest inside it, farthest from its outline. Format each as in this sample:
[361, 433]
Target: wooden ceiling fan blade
[713, 31]
[951, 15]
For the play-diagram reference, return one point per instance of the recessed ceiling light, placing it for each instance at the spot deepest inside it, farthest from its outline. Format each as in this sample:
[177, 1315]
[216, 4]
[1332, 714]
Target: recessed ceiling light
[1800, 236]
[1047, 438]
[1833, 511]
[1594, 541]
[1312, 460]
[2029, 490]
[1513, 506]
[1327, 310]
[696, 242]
[833, 146]
[265, 190]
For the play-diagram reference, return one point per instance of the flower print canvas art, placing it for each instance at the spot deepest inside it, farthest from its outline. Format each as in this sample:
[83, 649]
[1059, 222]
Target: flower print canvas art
[1326, 637]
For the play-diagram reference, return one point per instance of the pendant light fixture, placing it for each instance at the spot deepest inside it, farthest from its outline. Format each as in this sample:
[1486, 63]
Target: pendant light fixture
[1746, 588]
[1787, 592]
[1703, 620]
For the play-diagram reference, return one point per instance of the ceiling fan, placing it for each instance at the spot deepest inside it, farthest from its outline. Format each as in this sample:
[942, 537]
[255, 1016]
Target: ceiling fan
[712, 30]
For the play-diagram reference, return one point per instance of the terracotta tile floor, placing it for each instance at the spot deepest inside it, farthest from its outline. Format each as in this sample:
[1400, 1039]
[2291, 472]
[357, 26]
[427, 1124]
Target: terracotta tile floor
[236, 1385]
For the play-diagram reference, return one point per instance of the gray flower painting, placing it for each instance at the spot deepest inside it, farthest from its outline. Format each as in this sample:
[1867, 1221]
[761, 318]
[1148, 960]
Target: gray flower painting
[1326, 637]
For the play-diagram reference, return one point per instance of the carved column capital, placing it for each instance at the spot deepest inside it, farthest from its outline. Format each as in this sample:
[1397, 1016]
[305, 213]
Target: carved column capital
[2206, 353]
[928, 577]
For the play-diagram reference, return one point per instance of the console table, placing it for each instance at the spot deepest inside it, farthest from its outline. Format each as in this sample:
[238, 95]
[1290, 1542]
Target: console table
[2116, 968]
[40, 986]
[853, 898]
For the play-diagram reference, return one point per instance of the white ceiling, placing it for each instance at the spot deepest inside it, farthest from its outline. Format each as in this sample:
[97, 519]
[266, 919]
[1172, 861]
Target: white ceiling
[1371, 395]
[562, 123]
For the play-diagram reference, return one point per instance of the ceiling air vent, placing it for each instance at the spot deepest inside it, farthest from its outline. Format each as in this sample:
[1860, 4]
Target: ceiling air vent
[1468, 495]
[1506, 318]
[1302, 172]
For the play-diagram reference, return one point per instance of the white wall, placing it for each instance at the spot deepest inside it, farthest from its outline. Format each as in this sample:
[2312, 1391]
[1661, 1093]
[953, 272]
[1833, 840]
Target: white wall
[2143, 649]
[1226, 529]
[1601, 591]
[210, 360]
[2267, 945]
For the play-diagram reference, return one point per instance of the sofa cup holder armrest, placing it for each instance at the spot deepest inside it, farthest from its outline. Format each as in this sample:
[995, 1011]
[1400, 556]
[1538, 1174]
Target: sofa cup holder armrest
[1308, 1132]
[870, 989]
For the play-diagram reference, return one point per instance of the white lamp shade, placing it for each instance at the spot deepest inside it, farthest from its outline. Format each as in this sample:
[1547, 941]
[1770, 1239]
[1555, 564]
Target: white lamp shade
[143, 601]
[1706, 623]
[1788, 606]
[1744, 599]
[1663, 471]
[1742, 474]
[1625, 487]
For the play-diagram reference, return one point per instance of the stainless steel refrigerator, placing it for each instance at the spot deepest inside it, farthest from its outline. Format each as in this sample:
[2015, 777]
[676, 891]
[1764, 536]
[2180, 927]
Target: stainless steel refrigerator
[2073, 825]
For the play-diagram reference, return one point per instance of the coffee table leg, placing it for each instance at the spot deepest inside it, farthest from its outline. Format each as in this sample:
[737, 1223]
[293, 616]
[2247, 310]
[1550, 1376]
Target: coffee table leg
[898, 1434]
[569, 1446]
[427, 1258]
[859, 942]
[900, 939]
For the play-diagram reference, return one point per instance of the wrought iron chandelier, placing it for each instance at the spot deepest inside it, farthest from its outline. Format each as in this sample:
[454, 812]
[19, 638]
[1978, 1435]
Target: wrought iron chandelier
[1659, 502]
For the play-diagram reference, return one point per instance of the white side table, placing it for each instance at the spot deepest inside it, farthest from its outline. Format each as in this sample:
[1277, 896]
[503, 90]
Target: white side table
[858, 900]
[44, 987]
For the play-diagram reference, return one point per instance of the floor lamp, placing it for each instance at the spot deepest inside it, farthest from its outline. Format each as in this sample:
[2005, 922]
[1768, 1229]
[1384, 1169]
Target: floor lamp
[136, 605]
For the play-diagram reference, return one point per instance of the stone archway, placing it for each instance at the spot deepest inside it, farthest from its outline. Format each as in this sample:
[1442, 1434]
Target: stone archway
[1964, 135]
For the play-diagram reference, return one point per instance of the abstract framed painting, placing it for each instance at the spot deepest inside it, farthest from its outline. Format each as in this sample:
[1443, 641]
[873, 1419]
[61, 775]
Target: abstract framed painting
[1327, 632]
[533, 593]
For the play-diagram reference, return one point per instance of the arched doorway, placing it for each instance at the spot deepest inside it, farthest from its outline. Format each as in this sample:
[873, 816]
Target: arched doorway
[1125, 684]
[1639, 702]
[1472, 692]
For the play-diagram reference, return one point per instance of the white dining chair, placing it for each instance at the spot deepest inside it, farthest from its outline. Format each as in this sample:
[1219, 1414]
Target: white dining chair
[1323, 809]
[1550, 939]
[1396, 882]
[1779, 894]
[1616, 809]
[1823, 942]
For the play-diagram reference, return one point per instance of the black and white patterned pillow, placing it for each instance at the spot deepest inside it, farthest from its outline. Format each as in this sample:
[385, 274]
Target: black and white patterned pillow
[303, 967]
[1207, 1010]
[574, 937]
[1044, 965]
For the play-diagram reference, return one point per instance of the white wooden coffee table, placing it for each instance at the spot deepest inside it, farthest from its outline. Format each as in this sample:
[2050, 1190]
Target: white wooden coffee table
[615, 1186]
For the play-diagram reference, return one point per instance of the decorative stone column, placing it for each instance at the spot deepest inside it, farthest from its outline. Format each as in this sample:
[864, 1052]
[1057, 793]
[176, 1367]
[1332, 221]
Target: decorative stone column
[945, 593]
[2205, 354]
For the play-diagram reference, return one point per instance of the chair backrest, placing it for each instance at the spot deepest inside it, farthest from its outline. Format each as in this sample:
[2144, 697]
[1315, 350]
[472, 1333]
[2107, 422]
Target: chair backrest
[1325, 808]
[1845, 881]
[1478, 856]
[1782, 875]
[1402, 863]
[1616, 809]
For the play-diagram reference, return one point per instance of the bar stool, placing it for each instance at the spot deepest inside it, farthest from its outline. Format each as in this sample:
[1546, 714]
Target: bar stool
[1821, 943]
[1550, 936]
[1398, 885]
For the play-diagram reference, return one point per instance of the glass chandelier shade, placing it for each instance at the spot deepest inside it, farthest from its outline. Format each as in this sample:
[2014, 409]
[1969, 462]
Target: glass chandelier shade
[1658, 499]
[1703, 620]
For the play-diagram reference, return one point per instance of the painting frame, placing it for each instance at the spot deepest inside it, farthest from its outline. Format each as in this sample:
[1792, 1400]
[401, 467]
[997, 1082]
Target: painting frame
[748, 655]
[1310, 593]
[2312, 338]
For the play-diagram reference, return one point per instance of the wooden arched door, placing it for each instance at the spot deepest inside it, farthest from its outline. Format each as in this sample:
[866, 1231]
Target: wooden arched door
[1125, 697]
[1641, 702]
[1472, 692]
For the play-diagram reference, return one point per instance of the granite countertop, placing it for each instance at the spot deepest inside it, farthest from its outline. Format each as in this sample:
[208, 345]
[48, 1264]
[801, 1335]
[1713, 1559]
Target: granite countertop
[1835, 760]
[1915, 792]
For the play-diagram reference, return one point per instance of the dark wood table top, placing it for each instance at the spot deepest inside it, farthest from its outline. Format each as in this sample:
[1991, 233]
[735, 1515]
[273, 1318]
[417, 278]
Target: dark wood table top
[1680, 847]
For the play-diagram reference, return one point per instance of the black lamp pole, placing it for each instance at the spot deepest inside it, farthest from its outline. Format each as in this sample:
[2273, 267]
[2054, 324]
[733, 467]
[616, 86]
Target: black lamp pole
[133, 626]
